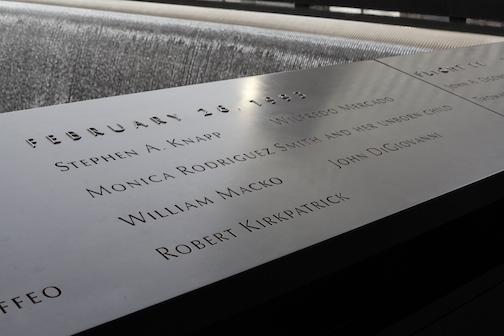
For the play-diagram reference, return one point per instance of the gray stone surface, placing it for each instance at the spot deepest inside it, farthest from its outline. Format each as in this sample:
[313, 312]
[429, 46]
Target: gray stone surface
[52, 55]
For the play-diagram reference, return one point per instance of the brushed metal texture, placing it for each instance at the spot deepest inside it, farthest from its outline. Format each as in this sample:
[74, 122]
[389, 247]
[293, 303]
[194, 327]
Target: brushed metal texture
[351, 145]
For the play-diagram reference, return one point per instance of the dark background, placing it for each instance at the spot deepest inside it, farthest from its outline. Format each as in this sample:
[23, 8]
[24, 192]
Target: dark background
[483, 16]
